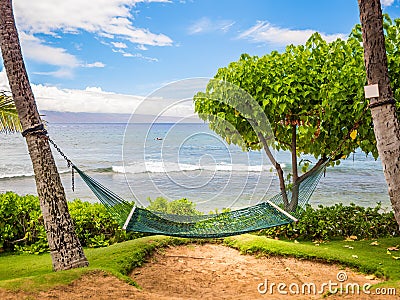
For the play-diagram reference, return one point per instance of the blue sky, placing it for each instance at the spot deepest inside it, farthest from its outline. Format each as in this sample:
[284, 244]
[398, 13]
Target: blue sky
[108, 53]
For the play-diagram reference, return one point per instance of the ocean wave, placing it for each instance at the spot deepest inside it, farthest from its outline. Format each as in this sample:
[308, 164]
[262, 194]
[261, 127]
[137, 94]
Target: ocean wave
[103, 170]
[16, 175]
[165, 167]
[22, 174]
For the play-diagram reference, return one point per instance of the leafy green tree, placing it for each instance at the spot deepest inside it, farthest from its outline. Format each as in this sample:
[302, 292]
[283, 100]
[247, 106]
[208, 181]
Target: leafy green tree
[311, 94]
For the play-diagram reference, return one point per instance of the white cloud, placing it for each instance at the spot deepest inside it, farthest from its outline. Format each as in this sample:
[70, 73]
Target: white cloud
[119, 45]
[136, 55]
[206, 25]
[96, 100]
[93, 89]
[109, 19]
[264, 32]
[60, 73]
[89, 100]
[112, 19]
[4, 86]
[141, 47]
[96, 64]
[35, 49]
[92, 99]
[387, 2]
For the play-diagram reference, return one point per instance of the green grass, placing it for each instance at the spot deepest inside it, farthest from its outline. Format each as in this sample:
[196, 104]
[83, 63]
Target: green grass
[33, 272]
[30, 272]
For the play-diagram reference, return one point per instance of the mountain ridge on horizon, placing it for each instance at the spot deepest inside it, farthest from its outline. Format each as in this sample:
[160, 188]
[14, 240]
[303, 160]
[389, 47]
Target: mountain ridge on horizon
[89, 117]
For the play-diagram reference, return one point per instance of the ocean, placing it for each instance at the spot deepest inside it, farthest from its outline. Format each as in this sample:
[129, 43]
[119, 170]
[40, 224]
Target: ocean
[180, 161]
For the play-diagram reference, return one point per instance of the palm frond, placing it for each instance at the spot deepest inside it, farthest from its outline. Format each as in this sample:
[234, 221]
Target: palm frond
[9, 121]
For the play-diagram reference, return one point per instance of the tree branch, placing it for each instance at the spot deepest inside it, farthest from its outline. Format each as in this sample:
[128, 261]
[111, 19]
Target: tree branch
[278, 169]
[320, 162]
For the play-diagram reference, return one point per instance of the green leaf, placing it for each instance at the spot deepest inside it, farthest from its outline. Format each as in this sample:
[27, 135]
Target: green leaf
[9, 120]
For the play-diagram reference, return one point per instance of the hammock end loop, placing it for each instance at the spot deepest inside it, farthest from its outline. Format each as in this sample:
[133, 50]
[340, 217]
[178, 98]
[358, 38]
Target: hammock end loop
[129, 218]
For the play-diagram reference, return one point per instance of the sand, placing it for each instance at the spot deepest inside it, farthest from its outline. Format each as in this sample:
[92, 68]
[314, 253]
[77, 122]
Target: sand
[210, 271]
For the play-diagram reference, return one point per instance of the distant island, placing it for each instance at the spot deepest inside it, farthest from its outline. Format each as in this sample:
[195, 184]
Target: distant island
[85, 117]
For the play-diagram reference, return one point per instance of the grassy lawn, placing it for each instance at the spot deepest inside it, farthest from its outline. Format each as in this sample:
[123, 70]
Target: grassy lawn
[33, 272]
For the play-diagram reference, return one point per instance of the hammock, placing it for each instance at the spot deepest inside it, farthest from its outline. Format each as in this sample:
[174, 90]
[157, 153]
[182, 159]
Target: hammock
[269, 213]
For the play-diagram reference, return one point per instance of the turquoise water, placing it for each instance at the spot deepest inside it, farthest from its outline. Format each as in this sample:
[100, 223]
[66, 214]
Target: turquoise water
[180, 160]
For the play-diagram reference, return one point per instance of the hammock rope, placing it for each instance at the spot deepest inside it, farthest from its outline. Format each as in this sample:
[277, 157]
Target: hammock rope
[269, 213]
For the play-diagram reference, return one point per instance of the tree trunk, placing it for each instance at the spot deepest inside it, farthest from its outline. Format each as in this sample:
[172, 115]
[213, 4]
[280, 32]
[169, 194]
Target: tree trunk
[65, 248]
[294, 201]
[383, 110]
[294, 154]
[278, 169]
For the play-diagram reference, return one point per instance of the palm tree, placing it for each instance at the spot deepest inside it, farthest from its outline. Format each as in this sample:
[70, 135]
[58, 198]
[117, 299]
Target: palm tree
[9, 121]
[383, 109]
[65, 248]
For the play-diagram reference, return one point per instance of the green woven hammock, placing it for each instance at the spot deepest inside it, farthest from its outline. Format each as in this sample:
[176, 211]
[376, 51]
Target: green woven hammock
[263, 215]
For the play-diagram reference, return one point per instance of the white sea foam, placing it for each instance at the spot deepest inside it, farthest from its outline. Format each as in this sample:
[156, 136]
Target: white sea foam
[20, 174]
[165, 167]
[16, 175]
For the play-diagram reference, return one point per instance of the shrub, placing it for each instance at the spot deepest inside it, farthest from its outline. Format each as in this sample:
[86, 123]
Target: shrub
[338, 221]
[160, 204]
[178, 207]
[21, 221]
[95, 226]
[22, 228]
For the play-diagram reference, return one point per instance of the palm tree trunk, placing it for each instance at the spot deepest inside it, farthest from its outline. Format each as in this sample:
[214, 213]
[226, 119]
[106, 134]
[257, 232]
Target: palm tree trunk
[383, 110]
[65, 248]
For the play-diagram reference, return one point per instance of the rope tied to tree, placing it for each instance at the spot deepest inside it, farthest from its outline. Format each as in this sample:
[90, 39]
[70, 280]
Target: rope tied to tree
[383, 102]
[41, 130]
[69, 162]
[37, 129]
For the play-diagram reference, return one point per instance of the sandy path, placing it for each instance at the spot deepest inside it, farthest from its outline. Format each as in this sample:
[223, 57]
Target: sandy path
[216, 272]
[207, 271]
